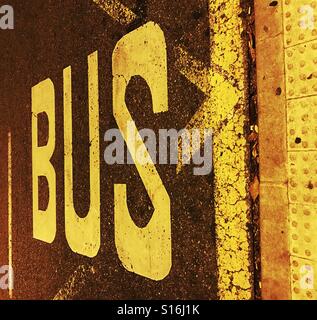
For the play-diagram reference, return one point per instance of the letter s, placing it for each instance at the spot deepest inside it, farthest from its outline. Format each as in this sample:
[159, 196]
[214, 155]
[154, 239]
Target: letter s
[144, 251]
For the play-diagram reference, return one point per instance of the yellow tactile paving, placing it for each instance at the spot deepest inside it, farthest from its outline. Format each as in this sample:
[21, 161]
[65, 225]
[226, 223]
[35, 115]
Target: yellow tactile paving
[303, 178]
[298, 21]
[302, 243]
[302, 124]
[303, 281]
[301, 81]
[295, 39]
[301, 75]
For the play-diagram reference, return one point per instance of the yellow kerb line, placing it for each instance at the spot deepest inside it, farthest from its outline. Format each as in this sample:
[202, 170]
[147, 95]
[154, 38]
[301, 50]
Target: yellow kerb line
[219, 112]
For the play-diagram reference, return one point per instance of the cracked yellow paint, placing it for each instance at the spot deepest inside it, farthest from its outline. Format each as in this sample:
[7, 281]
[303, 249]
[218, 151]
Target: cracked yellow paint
[224, 111]
[230, 152]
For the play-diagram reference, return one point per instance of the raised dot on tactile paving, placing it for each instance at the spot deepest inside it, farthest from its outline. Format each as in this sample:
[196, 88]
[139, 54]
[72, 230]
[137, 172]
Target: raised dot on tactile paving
[309, 295]
[306, 212]
[295, 264]
[307, 239]
[293, 184]
[306, 198]
[293, 197]
[293, 156]
[302, 77]
[307, 253]
[305, 117]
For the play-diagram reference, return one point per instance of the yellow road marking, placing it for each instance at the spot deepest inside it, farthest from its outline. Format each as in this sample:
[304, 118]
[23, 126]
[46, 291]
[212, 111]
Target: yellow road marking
[144, 251]
[230, 152]
[83, 234]
[75, 283]
[116, 10]
[224, 112]
[194, 70]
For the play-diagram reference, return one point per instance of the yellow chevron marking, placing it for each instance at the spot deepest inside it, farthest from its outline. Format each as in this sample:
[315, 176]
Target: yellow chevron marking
[116, 10]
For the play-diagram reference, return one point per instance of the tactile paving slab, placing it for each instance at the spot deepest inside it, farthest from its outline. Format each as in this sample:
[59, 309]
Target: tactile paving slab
[287, 87]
